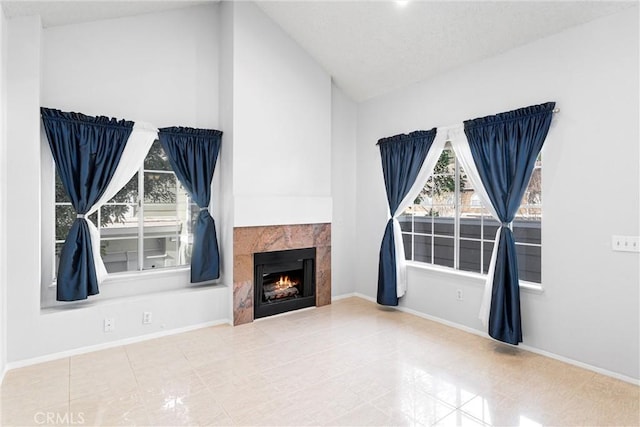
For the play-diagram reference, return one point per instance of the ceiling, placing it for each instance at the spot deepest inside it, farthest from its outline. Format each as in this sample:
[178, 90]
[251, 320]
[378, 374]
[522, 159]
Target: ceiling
[373, 47]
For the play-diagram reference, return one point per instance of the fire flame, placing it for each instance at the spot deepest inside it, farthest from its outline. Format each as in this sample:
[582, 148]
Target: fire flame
[285, 283]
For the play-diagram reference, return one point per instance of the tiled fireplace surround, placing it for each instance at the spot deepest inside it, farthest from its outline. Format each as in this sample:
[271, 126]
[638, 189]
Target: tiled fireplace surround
[250, 240]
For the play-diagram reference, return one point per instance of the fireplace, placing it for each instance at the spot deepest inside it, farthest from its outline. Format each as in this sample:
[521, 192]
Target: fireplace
[248, 241]
[284, 281]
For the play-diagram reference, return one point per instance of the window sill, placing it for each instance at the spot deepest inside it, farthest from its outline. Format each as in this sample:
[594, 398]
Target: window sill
[137, 275]
[532, 287]
[132, 285]
[99, 299]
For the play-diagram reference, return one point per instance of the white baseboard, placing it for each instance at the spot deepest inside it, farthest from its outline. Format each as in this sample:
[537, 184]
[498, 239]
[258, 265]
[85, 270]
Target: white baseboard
[343, 296]
[132, 340]
[545, 353]
[111, 344]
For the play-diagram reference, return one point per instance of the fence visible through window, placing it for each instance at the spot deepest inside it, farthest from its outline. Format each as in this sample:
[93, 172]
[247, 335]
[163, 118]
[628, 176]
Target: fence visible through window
[448, 226]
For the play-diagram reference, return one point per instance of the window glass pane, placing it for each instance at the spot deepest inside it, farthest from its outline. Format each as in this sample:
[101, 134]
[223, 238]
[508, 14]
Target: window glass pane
[529, 213]
[160, 252]
[446, 164]
[471, 227]
[425, 197]
[195, 210]
[527, 231]
[58, 250]
[119, 221]
[405, 221]
[422, 249]
[61, 193]
[114, 219]
[423, 223]
[406, 241]
[533, 194]
[469, 255]
[168, 222]
[160, 187]
[65, 215]
[471, 210]
[119, 237]
[489, 228]
[443, 183]
[120, 255]
[529, 262]
[128, 193]
[168, 232]
[443, 251]
[443, 222]
[448, 201]
[487, 248]
[157, 159]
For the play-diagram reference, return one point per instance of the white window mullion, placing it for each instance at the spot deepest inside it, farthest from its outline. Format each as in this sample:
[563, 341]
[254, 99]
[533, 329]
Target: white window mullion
[177, 242]
[481, 242]
[433, 235]
[98, 226]
[413, 236]
[141, 219]
[456, 219]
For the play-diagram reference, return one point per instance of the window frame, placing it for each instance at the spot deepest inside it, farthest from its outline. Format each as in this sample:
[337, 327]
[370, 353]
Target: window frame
[457, 205]
[118, 284]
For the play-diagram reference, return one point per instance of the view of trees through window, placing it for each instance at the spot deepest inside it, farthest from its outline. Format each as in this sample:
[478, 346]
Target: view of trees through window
[448, 225]
[148, 224]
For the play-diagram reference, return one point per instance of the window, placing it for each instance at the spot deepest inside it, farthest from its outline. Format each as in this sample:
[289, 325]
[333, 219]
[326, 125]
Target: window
[448, 225]
[147, 225]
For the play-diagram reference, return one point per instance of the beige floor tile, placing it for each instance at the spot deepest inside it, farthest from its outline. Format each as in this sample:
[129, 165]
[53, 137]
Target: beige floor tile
[368, 415]
[459, 418]
[42, 415]
[414, 404]
[504, 411]
[185, 409]
[35, 392]
[350, 363]
[114, 410]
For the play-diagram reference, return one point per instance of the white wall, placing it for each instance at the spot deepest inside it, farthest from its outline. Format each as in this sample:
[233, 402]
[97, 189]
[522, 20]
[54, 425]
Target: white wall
[282, 126]
[163, 71]
[3, 192]
[343, 188]
[162, 68]
[225, 158]
[589, 309]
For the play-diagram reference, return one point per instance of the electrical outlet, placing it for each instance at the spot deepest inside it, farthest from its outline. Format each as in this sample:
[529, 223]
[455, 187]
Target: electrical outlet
[459, 295]
[146, 317]
[625, 243]
[109, 324]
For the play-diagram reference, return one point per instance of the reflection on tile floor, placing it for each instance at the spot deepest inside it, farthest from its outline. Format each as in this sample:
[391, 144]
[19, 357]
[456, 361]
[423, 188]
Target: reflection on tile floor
[350, 363]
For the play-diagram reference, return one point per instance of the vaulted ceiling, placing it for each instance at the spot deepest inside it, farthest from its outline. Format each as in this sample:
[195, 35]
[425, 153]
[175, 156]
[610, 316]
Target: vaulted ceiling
[373, 47]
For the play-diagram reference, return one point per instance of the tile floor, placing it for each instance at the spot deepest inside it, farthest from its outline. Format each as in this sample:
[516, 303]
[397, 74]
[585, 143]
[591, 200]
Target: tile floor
[351, 363]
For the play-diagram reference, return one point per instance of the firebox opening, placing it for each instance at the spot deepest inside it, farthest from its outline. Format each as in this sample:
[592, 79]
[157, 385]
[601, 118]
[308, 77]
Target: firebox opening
[284, 281]
[281, 286]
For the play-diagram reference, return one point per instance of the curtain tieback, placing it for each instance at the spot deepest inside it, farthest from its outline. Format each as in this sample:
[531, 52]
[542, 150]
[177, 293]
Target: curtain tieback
[206, 208]
[81, 216]
[505, 224]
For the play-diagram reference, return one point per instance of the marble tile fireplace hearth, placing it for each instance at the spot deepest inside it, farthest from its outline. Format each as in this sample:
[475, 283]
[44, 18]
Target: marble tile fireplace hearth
[248, 241]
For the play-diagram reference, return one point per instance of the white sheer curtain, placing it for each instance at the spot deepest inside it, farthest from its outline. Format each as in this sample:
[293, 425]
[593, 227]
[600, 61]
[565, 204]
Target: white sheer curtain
[138, 145]
[425, 171]
[460, 145]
